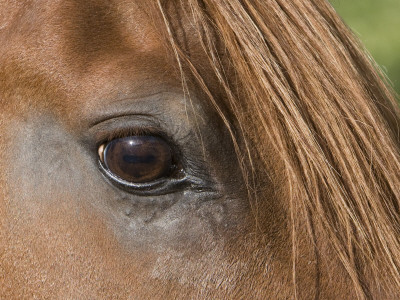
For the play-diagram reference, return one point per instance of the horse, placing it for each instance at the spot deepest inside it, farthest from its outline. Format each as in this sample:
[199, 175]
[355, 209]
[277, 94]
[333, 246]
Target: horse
[198, 149]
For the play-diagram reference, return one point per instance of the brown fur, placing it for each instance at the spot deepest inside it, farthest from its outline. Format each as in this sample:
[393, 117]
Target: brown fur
[310, 117]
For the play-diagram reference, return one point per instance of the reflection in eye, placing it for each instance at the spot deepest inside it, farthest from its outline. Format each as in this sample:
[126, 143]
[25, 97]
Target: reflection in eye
[137, 159]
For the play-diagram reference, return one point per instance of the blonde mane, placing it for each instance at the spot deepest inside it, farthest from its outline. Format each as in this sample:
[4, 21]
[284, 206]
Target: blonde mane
[303, 83]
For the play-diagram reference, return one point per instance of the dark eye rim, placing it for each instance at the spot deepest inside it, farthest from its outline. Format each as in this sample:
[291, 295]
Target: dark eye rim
[164, 185]
[160, 186]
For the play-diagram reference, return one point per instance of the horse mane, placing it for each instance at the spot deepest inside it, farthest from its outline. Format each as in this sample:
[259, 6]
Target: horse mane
[305, 85]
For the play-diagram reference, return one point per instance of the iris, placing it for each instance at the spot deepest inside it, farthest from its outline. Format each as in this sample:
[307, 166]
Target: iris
[137, 159]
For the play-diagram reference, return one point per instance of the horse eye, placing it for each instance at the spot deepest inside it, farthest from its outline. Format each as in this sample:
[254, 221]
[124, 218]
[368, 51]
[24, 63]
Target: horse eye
[137, 159]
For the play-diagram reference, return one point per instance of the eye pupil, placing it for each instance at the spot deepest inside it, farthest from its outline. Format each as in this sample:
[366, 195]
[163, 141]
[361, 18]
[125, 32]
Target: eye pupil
[133, 159]
[138, 159]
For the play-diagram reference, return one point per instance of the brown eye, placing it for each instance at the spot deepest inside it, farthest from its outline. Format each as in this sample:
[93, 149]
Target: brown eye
[137, 159]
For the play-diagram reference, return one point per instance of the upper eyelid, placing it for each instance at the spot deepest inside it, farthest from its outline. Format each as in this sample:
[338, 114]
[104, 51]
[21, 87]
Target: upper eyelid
[130, 131]
[146, 105]
[121, 126]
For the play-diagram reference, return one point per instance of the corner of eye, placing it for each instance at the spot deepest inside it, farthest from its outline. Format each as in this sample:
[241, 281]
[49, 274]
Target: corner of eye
[100, 152]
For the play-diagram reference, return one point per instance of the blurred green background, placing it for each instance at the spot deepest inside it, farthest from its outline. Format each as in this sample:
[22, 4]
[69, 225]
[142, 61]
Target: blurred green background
[377, 24]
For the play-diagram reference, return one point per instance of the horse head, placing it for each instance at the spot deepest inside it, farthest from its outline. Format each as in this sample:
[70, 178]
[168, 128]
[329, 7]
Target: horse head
[204, 149]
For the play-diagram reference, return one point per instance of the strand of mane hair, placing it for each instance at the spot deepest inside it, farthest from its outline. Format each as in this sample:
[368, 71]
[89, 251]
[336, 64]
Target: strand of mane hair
[307, 87]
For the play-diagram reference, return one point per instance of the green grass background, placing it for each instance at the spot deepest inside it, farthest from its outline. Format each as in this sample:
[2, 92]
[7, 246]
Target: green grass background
[377, 24]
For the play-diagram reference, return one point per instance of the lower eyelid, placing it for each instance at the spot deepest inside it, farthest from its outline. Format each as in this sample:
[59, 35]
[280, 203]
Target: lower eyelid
[189, 180]
[160, 187]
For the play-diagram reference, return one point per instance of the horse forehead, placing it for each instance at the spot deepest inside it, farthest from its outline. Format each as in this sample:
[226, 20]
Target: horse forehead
[95, 16]
[93, 46]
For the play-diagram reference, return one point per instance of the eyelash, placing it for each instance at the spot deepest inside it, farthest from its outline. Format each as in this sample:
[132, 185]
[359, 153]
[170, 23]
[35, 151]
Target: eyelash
[129, 131]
